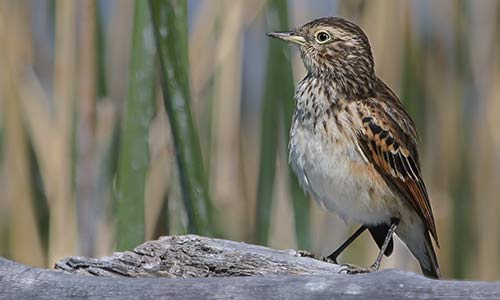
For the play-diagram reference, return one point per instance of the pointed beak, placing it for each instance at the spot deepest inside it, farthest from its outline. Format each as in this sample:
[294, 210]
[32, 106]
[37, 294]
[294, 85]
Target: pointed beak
[289, 36]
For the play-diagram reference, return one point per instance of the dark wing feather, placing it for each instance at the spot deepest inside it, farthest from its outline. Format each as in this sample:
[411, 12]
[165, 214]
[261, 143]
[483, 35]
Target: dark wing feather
[388, 140]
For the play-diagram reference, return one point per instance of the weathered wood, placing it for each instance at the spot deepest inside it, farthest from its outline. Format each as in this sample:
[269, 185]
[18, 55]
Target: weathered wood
[191, 256]
[195, 256]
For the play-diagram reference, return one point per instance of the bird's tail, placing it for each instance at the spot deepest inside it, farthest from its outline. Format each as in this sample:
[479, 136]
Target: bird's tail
[417, 239]
[429, 263]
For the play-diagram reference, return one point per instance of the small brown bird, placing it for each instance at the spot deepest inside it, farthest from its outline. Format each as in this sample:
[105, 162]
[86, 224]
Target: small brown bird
[353, 145]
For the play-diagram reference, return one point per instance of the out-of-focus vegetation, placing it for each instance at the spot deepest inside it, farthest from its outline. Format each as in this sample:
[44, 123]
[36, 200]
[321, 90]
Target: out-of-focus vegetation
[171, 30]
[276, 117]
[91, 161]
[133, 155]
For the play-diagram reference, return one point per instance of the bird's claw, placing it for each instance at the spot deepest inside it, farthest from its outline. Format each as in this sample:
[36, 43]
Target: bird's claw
[329, 260]
[304, 253]
[353, 269]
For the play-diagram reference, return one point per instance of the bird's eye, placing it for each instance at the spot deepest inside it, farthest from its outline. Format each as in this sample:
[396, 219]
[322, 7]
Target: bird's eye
[322, 37]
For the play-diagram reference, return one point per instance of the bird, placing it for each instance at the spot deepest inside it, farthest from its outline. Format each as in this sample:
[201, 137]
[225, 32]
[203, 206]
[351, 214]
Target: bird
[353, 145]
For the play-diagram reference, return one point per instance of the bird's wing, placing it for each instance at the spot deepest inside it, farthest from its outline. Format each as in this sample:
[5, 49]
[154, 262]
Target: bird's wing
[387, 138]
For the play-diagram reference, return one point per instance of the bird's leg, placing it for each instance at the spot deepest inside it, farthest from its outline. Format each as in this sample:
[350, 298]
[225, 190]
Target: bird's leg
[394, 224]
[352, 269]
[333, 257]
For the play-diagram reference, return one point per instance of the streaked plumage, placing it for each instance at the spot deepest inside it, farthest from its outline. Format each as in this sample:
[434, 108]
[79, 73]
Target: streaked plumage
[352, 144]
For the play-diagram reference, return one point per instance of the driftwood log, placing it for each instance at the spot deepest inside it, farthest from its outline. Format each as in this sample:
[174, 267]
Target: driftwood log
[193, 267]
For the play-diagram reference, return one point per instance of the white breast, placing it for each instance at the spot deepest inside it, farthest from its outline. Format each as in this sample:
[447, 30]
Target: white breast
[329, 171]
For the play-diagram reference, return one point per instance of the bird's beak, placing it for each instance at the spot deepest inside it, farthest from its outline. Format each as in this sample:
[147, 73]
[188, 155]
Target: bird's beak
[289, 36]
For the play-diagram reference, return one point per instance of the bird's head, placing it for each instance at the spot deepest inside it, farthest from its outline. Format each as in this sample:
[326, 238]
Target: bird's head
[332, 46]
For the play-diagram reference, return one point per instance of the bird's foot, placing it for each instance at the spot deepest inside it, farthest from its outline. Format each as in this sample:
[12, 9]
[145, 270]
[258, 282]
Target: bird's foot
[353, 269]
[304, 253]
[329, 260]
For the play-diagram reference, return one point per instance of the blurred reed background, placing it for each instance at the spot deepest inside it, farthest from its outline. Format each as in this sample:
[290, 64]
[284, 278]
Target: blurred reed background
[88, 157]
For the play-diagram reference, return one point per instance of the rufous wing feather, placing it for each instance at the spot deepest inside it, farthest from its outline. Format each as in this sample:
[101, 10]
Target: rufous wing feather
[393, 154]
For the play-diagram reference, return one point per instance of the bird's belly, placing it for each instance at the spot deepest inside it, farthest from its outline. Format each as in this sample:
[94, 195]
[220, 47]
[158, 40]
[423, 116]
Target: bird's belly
[338, 178]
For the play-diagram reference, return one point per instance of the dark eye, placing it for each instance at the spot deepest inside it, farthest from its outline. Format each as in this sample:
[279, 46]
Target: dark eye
[322, 37]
